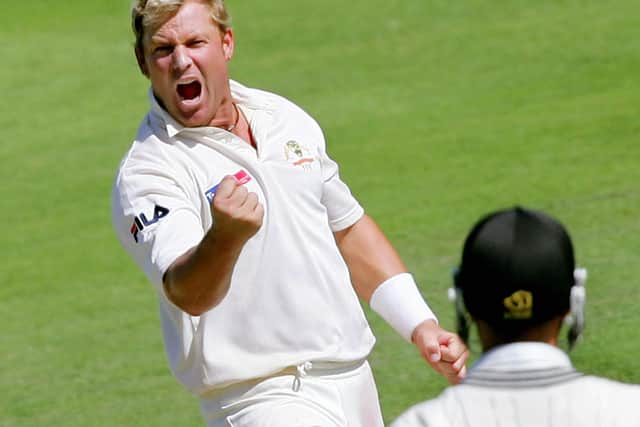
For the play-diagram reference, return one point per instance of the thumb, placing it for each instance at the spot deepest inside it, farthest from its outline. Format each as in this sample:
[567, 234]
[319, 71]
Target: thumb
[432, 351]
[426, 338]
[435, 355]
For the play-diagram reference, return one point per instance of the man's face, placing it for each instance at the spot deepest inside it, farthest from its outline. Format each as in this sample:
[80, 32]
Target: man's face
[186, 61]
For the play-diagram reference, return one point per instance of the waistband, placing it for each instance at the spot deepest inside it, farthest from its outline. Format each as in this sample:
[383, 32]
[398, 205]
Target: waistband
[322, 369]
[309, 368]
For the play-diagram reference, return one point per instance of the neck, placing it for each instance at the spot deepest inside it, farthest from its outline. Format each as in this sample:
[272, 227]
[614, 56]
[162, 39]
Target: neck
[546, 332]
[226, 116]
[235, 113]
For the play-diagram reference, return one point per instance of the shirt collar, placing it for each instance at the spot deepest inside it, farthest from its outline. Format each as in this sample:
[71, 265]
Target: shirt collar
[162, 118]
[522, 365]
[523, 355]
[240, 94]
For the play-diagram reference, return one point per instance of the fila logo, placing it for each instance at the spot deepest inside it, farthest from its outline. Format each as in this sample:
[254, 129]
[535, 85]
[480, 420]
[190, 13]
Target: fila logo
[140, 222]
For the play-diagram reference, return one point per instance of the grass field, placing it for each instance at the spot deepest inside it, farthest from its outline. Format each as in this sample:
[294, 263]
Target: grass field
[437, 112]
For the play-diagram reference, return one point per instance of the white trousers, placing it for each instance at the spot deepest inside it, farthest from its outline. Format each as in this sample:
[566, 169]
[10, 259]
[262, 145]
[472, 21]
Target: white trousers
[310, 395]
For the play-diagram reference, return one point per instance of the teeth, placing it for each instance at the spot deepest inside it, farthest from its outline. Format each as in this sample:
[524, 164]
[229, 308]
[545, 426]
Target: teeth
[186, 82]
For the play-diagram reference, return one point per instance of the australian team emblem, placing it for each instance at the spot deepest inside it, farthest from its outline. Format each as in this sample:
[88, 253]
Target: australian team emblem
[298, 155]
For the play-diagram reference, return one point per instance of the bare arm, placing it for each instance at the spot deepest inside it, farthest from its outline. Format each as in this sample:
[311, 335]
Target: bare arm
[372, 260]
[199, 279]
[370, 256]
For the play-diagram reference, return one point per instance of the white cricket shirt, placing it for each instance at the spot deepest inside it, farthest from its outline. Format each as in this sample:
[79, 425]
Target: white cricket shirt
[291, 299]
[528, 384]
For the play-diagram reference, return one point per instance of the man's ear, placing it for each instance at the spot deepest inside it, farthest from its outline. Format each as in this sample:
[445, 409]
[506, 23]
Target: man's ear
[227, 44]
[142, 64]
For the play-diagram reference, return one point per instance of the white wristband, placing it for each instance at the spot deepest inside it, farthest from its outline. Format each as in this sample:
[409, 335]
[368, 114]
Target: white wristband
[399, 302]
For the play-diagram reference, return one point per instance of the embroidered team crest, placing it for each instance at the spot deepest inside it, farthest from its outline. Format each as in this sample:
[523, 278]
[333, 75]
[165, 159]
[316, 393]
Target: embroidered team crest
[519, 305]
[297, 154]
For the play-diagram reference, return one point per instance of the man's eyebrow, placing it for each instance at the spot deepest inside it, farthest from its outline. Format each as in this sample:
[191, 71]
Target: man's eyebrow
[158, 38]
[191, 35]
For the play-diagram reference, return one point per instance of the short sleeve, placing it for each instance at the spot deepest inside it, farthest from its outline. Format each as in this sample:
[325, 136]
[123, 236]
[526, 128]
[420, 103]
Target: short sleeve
[154, 219]
[342, 207]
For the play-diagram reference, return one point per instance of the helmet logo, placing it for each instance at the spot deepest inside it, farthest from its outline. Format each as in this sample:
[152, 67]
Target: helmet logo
[519, 305]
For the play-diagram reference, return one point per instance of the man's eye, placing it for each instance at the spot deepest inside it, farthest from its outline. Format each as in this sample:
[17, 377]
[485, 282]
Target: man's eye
[162, 50]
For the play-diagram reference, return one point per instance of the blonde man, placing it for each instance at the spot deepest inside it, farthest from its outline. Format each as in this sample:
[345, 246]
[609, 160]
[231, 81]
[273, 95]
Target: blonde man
[257, 249]
[519, 283]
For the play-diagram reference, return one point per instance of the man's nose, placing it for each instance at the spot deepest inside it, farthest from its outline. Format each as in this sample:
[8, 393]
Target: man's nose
[181, 59]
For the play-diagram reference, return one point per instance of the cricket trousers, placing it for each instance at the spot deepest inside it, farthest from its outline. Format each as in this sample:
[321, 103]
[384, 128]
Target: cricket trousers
[313, 394]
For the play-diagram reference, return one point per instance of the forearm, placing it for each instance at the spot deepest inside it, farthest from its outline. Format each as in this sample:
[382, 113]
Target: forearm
[198, 280]
[379, 277]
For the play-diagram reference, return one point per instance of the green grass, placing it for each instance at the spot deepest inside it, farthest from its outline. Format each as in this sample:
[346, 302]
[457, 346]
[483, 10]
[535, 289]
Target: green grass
[437, 112]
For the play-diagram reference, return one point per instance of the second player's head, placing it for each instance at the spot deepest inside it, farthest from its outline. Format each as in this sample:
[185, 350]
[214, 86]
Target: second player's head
[516, 276]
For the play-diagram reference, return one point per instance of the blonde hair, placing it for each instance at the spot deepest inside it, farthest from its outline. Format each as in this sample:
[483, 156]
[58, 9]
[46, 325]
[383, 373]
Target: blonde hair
[149, 15]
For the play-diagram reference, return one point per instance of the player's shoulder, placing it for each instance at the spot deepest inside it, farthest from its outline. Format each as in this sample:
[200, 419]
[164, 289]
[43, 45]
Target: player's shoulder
[429, 413]
[146, 150]
[144, 159]
[263, 96]
[600, 395]
[281, 105]
[608, 386]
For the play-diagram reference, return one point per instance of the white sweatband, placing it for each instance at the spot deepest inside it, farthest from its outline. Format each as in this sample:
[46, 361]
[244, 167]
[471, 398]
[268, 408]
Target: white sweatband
[399, 302]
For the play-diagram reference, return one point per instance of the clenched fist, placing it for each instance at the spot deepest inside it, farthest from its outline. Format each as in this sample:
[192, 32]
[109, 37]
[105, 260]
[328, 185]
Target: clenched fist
[443, 350]
[237, 213]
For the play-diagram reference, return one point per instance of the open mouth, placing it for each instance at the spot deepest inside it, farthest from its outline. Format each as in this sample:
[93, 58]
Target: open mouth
[190, 90]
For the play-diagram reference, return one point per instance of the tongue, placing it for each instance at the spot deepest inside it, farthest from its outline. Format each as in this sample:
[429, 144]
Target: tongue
[189, 90]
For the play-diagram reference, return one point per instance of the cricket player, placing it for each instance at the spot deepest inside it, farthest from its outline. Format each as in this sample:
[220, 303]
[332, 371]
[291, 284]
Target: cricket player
[258, 251]
[519, 283]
